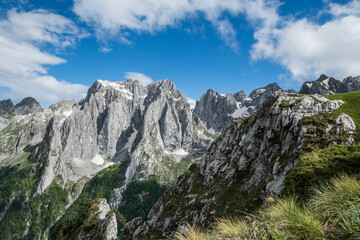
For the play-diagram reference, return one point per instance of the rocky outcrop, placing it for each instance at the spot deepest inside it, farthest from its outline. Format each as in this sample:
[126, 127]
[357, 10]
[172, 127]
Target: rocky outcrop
[96, 221]
[246, 164]
[218, 111]
[352, 83]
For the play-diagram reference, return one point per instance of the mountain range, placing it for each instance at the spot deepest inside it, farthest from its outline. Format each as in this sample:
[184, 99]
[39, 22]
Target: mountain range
[136, 162]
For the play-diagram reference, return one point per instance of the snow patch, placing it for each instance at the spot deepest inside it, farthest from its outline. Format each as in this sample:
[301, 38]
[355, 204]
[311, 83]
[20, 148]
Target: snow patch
[119, 86]
[98, 160]
[238, 112]
[308, 84]
[179, 152]
[68, 113]
[326, 82]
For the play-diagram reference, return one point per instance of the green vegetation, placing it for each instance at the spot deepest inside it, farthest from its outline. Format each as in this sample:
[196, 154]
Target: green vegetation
[331, 213]
[171, 168]
[350, 107]
[320, 165]
[24, 211]
[101, 186]
[83, 224]
[209, 135]
[317, 128]
[140, 197]
[9, 135]
[285, 105]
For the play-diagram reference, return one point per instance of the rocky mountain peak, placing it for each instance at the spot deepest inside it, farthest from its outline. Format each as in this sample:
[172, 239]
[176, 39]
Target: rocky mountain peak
[322, 77]
[218, 110]
[240, 96]
[165, 83]
[6, 106]
[214, 108]
[353, 83]
[110, 90]
[271, 88]
[324, 85]
[26, 106]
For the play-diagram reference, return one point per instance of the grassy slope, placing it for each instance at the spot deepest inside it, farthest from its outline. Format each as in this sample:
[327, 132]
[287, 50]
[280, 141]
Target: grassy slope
[321, 165]
[332, 212]
[351, 107]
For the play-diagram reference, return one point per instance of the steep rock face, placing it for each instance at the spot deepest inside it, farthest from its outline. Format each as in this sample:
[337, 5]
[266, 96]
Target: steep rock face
[218, 111]
[324, 86]
[240, 96]
[352, 83]
[214, 109]
[117, 121]
[247, 163]
[96, 221]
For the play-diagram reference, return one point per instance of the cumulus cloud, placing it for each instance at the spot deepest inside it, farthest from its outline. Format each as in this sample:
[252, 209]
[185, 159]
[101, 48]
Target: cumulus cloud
[23, 62]
[192, 102]
[351, 8]
[308, 49]
[145, 80]
[113, 18]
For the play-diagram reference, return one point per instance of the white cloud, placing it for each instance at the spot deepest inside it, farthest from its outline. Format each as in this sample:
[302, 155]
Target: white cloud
[145, 80]
[352, 8]
[113, 18]
[192, 102]
[308, 49]
[23, 62]
[105, 49]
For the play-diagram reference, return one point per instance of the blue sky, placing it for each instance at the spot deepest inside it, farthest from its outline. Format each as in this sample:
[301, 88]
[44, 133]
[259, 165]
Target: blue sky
[55, 50]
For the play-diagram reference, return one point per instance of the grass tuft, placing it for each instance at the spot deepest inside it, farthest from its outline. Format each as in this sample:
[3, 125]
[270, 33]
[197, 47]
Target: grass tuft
[332, 212]
[290, 219]
[191, 233]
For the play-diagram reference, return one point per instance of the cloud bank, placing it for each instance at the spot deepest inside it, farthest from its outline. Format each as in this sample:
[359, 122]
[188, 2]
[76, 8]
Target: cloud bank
[23, 62]
[308, 48]
[113, 18]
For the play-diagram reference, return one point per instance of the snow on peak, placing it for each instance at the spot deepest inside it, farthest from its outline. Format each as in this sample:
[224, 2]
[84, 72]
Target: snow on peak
[118, 86]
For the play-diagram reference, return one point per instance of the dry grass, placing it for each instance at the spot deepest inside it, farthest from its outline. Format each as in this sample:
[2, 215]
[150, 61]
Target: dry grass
[333, 212]
[191, 233]
[232, 229]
